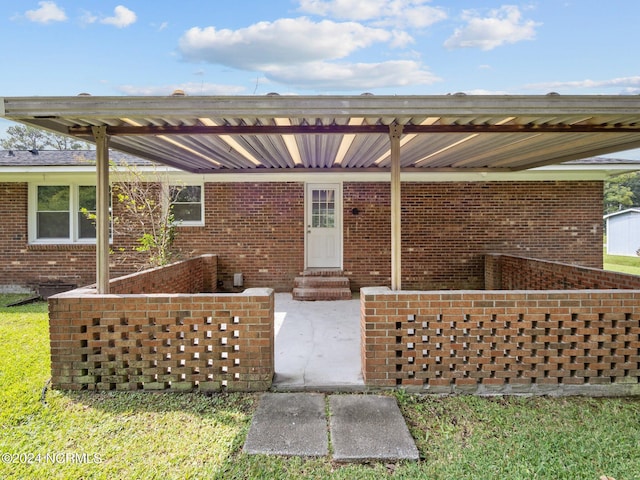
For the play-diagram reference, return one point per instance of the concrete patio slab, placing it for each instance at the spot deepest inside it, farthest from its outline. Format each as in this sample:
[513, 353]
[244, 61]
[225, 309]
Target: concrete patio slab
[369, 427]
[289, 424]
[317, 345]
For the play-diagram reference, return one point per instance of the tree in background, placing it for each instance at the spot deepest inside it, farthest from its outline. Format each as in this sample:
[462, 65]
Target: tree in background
[621, 192]
[21, 137]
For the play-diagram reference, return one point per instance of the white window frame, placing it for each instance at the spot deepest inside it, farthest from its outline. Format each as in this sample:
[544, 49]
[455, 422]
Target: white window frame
[183, 223]
[74, 208]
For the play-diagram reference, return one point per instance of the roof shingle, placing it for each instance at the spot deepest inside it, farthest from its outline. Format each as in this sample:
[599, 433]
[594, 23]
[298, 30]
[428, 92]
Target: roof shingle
[62, 158]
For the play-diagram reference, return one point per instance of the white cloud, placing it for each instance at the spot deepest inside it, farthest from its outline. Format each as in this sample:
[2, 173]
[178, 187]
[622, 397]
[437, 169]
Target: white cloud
[287, 41]
[343, 9]
[420, 16]
[123, 17]
[301, 52]
[352, 76]
[401, 39]
[87, 18]
[502, 26]
[625, 85]
[47, 13]
[399, 13]
[190, 88]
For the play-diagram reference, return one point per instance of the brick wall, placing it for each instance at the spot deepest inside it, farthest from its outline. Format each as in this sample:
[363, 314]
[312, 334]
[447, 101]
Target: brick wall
[367, 235]
[196, 275]
[507, 272]
[168, 341]
[449, 227]
[257, 229]
[27, 265]
[553, 342]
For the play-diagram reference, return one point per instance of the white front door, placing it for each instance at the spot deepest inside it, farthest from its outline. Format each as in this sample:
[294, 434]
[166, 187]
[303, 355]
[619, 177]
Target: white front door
[323, 244]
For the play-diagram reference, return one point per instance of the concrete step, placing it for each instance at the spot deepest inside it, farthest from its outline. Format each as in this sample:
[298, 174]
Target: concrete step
[321, 282]
[322, 272]
[312, 294]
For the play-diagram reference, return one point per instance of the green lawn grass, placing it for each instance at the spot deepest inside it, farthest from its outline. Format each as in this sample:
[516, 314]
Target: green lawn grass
[624, 264]
[170, 436]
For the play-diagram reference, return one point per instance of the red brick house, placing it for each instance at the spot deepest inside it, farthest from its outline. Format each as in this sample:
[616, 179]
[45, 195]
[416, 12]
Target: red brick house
[412, 193]
[256, 225]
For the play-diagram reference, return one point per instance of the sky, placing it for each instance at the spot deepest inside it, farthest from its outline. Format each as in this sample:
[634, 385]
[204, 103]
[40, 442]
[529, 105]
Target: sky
[318, 47]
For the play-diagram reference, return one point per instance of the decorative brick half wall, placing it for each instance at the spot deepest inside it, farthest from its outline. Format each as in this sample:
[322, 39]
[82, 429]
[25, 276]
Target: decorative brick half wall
[162, 341]
[544, 342]
[196, 275]
[507, 272]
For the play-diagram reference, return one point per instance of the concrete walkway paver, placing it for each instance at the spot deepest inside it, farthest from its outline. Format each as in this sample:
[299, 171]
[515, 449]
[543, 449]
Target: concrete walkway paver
[362, 427]
[369, 427]
[290, 424]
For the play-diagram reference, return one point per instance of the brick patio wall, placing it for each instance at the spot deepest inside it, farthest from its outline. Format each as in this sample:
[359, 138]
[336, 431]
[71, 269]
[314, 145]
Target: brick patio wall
[502, 342]
[195, 275]
[162, 341]
[508, 272]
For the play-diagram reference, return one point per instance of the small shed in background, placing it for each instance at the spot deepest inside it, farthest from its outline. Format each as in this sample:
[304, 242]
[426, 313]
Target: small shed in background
[623, 232]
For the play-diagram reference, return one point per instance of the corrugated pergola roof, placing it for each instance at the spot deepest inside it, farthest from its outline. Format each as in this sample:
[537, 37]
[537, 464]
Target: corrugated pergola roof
[440, 133]
[343, 133]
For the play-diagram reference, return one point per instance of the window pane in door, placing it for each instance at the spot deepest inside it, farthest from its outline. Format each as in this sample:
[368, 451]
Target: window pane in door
[323, 209]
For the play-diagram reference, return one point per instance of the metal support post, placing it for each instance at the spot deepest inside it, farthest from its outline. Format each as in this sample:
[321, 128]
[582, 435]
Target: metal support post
[395, 133]
[102, 209]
